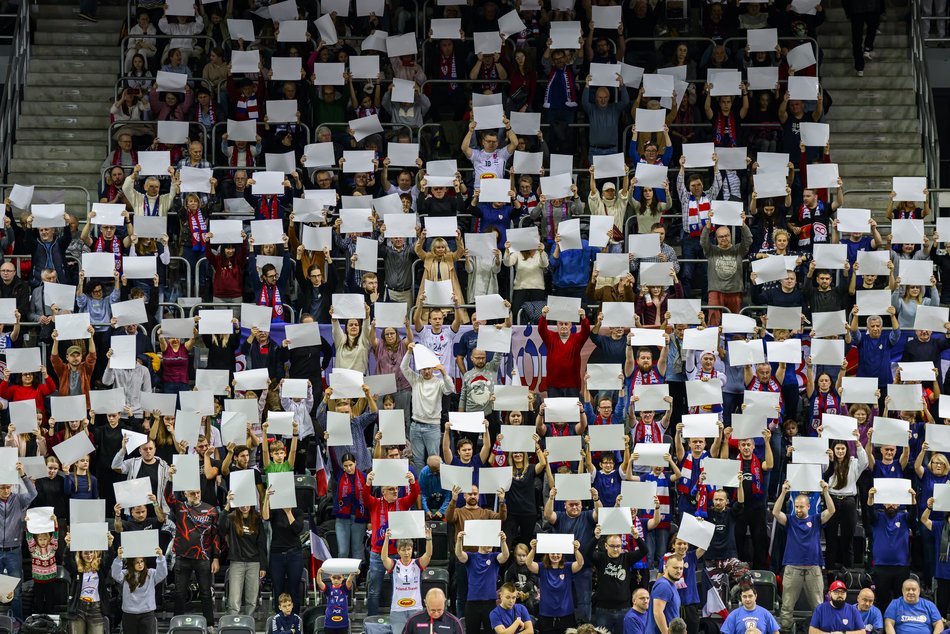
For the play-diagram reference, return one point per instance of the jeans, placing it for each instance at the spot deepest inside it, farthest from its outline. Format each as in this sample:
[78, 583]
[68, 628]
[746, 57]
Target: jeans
[794, 580]
[600, 151]
[140, 623]
[349, 538]
[426, 441]
[839, 533]
[610, 620]
[374, 583]
[583, 592]
[175, 388]
[398, 618]
[87, 619]
[286, 570]
[11, 564]
[184, 570]
[657, 541]
[730, 403]
[244, 584]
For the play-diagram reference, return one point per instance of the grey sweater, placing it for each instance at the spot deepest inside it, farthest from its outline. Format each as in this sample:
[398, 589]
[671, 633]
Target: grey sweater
[725, 265]
[142, 601]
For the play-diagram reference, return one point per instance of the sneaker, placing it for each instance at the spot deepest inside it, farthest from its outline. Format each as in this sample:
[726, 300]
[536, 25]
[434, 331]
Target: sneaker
[868, 55]
[87, 17]
[860, 73]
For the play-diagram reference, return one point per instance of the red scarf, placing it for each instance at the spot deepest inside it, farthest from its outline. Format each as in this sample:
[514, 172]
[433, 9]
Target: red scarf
[755, 470]
[268, 209]
[248, 157]
[686, 479]
[646, 378]
[114, 245]
[822, 404]
[697, 214]
[725, 130]
[351, 485]
[117, 157]
[198, 230]
[639, 432]
[447, 70]
[271, 298]
[212, 114]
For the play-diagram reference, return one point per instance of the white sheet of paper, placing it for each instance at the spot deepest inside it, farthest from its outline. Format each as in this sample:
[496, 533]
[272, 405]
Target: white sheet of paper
[801, 57]
[338, 426]
[789, 351]
[891, 431]
[909, 188]
[822, 175]
[87, 511]
[700, 425]
[618, 314]
[931, 317]
[893, 491]
[68, 408]
[424, 358]
[827, 351]
[482, 533]
[107, 401]
[722, 473]
[733, 323]
[20, 360]
[131, 493]
[609, 165]
[163, 403]
[172, 82]
[651, 454]
[21, 196]
[657, 85]
[242, 484]
[606, 437]
[769, 269]
[452, 476]
[187, 476]
[873, 302]
[393, 427]
[837, 427]
[566, 35]
[242, 131]
[810, 450]
[407, 524]
[88, 536]
[695, 531]
[267, 231]
[234, 426]
[488, 117]
[938, 437]
[525, 123]
[528, 162]
[40, 520]
[650, 120]
[563, 449]
[556, 186]
[646, 337]
[139, 267]
[815, 134]
[614, 521]
[725, 83]
[445, 28]
[438, 293]
[639, 495]
[268, 183]
[854, 221]
[828, 324]
[786, 318]
[516, 437]
[858, 389]
[942, 497]
[510, 398]
[572, 486]
[873, 263]
[915, 272]
[905, 397]
[98, 265]
[830, 256]
[391, 314]
[700, 393]
[292, 31]
[762, 77]
[745, 352]
[491, 479]
[907, 231]
[259, 316]
[139, 543]
[488, 42]
[698, 154]
[563, 309]
[604, 75]
[651, 175]
[494, 190]
[731, 158]
[684, 311]
[728, 213]
[762, 40]
[23, 415]
[764, 404]
[245, 61]
[804, 477]
[606, 17]
[48, 216]
[399, 45]
[245, 380]
[604, 376]
[917, 371]
[612, 264]
[560, 409]
[769, 184]
[285, 492]
[467, 422]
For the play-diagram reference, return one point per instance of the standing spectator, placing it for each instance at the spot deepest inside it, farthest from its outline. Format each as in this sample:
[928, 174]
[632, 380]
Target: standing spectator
[665, 598]
[803, 560]
[724, 272]
[890, 548]
[555, 578]
[615, 578]
[604, 117]
[379, 508]
[696, 205]
[13, 508]
[865, 17]
[427, 392]
[563, 353]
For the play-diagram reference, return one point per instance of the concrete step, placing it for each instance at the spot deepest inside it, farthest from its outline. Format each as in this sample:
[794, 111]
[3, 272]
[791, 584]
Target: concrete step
[844, 54]
[82, 108]
[876, 202]
[69, 166]
[106, 25]
[869, 170]
[844, 41]
[77, 78]
[53, 122]
[872, 97]
[64, 66]
[58, 152]
[74, 52]
[839, 121]
[870, 81]
[39, 136]
[101, 95]
[110, 40]
[858, 139]
[862, 114]
[844, 28]
[61, 11]
[843, 155]
[831, 71]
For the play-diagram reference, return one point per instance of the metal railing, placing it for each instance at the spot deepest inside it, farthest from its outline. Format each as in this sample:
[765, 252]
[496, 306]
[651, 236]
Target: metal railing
[926, 114]
[5, 189]
[124, 45]
[14, 84]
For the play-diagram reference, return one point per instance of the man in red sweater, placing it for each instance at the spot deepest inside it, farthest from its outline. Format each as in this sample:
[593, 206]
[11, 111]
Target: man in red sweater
[563, 353]
[379, 509]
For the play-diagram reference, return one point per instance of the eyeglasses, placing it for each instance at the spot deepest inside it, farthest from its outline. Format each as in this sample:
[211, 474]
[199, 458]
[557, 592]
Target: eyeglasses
[613, 545]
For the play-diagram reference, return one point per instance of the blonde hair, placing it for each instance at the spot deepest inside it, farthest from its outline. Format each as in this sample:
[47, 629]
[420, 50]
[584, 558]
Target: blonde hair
[939, 457]
[93, 566]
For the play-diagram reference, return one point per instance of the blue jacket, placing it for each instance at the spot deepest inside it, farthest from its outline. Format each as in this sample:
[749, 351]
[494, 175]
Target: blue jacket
[874, 355]
[572, 267]
[430, 486]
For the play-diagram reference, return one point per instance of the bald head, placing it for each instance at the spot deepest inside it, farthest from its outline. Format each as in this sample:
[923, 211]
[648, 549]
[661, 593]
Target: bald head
[435, 603]
[434, 462]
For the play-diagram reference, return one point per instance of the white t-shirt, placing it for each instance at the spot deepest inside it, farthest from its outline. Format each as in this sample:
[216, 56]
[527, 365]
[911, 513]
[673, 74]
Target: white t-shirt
[441, 344]
[490, 162]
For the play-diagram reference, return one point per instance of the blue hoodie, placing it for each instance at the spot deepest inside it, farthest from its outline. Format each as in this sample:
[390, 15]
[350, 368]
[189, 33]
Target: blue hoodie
[572, 268]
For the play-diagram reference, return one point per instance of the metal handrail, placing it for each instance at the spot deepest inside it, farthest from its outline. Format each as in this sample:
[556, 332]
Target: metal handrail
[14, 85]
[121, 80]
[216, 132]
[116, 125]
[4, 187]
[926, 114]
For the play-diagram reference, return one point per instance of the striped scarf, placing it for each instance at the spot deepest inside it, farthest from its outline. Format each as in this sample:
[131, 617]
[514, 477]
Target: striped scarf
[688, 476]
[565, 76]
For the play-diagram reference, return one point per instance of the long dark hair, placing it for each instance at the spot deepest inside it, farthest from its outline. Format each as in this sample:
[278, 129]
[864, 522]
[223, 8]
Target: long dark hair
[136, 579]
[248, 526]
[840, 467]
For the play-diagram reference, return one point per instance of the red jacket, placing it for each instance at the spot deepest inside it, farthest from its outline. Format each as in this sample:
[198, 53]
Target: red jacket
[228, 280]
[13, 392]
[563, 358]
[379, 514]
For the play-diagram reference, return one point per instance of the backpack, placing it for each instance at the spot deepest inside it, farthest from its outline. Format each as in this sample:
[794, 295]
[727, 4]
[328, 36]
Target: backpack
[40, 624]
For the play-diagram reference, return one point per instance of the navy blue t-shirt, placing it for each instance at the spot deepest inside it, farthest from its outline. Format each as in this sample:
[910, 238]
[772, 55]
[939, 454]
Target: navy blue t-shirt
[891, 539]
[482, 570]
[803, 544]
[663, 590]
[504, 618]
[829, 619]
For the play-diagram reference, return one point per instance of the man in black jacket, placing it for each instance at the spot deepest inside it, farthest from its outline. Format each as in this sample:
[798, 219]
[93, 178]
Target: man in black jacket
[11, 286]
[435, 618]
[616, 578]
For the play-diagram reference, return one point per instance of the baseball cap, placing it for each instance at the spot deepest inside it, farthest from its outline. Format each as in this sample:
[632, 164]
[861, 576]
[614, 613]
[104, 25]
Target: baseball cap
[73, 349]
[609, 185]
[837, 585]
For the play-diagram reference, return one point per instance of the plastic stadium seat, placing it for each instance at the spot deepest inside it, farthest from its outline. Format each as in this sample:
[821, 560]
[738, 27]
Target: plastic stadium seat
[306, 487]
[766, 587]
[434, 577]
[377, 625]
[187, 624]
[236, 624]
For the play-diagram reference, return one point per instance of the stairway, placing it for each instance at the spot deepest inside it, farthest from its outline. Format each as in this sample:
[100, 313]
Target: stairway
[61, 136]
[874, 130]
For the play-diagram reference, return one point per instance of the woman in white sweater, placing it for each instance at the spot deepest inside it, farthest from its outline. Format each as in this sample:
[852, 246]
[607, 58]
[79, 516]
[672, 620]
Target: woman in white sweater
[138, 583]
[353, 344]
[842, 477]
[529, 278]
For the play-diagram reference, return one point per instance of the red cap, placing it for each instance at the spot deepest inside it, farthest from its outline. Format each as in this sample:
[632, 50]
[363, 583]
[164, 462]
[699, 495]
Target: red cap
[837, 585]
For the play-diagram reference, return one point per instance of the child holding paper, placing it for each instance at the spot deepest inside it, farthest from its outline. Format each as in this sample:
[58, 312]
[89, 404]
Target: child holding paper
[138, 583]
[337, 598]
[606, 479]
[81, 485]
[275, 455]
[43, 556]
